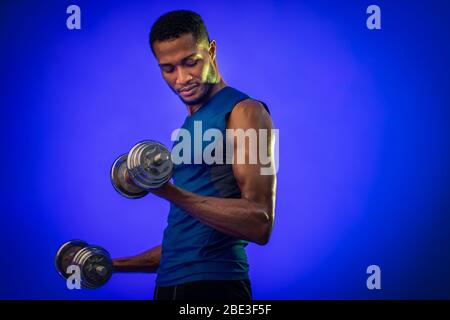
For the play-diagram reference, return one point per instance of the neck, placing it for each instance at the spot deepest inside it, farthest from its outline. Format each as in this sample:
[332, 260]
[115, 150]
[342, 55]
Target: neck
[215, 88]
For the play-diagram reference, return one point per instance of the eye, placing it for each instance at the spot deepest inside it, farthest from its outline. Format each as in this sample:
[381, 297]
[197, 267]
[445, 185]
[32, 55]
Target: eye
[167, 69]
[191, 62]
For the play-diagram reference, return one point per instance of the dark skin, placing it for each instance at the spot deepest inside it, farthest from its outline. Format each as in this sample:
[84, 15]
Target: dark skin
[189, 64]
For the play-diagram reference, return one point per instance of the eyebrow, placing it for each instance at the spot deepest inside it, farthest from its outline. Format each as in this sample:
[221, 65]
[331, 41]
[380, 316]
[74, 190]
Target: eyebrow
[182, 60]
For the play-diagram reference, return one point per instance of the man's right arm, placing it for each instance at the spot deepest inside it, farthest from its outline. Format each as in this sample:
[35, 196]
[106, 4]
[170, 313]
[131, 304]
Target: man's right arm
[147, 261]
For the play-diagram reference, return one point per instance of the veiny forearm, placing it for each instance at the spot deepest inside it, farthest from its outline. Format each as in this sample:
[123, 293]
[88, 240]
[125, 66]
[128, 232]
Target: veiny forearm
[239, 218]
[147, 261]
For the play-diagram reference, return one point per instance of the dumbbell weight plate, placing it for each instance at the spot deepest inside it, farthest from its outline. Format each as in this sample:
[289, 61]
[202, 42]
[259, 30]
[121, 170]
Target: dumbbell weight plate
[65, 254]
[96, 264]
[119, 183]
[97, 268]
[149, 164]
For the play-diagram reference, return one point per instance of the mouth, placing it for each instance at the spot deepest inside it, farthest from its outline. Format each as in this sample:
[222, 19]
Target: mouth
[188, 91]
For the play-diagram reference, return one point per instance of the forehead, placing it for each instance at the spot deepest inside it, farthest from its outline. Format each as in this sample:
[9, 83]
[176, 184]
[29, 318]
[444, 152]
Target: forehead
[173, 50]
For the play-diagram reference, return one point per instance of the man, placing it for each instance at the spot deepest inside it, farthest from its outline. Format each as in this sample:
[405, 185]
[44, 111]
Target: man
[216, 209]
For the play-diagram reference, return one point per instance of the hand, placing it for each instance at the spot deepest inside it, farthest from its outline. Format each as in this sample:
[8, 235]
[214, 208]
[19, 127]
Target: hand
[164, 191]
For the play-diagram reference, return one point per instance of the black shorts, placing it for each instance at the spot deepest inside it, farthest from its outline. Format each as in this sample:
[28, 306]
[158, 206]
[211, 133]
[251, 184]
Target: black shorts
[206, 290]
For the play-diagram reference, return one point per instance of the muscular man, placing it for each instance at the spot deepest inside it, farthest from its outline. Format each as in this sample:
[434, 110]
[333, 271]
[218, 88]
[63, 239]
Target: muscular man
[216, 209]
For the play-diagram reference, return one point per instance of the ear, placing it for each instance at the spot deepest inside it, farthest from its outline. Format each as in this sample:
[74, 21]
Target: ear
[212, 50]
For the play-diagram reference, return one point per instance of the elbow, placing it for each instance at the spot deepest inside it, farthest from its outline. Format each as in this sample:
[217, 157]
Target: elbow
[264, 218]
[265, 233]
[263, 239]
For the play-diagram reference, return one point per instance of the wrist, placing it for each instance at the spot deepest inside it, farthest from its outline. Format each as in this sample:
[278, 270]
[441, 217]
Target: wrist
[119, 264]
[164, 191]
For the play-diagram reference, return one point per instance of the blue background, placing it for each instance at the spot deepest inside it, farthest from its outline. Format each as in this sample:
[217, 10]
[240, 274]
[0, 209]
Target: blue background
[364, 150]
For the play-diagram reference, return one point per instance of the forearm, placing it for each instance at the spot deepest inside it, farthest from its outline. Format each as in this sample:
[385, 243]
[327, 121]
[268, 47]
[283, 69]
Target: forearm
[147, 261]
[239, 218]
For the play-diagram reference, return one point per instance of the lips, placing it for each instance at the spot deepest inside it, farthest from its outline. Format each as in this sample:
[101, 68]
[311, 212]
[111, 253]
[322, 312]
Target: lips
[188, 91]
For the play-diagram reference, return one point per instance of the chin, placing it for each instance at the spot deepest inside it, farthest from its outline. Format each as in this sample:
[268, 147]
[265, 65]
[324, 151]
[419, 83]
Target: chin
[191, 100]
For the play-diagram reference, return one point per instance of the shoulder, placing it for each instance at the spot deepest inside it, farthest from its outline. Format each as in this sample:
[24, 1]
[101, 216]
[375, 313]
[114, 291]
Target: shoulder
[250, 105]
[251, 112]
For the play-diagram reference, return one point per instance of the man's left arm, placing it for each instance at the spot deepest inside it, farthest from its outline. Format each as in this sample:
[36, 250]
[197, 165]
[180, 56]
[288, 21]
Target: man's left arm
[251, 217]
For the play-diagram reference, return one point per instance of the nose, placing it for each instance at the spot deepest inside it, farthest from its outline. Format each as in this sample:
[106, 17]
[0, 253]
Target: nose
[183, 76]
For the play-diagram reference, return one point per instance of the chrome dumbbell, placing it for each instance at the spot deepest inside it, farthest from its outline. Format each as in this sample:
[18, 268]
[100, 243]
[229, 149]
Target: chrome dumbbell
[94, 263]
[148, 165]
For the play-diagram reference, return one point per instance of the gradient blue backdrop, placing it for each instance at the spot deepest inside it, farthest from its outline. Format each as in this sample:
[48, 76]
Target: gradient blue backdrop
[364, 149]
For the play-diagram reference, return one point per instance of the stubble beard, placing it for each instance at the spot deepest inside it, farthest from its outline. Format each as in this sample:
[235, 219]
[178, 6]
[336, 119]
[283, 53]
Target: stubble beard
[211, 80]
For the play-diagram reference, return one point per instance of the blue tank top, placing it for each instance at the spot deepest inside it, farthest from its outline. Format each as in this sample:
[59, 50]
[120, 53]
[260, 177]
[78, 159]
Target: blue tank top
[191, 250]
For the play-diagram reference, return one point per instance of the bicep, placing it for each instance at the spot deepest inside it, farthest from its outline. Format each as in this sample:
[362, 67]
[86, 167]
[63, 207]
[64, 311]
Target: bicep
[256, 187]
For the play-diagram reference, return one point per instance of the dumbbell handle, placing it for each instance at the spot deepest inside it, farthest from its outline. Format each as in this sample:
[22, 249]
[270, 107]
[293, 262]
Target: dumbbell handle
[156, 159]
[101, 270]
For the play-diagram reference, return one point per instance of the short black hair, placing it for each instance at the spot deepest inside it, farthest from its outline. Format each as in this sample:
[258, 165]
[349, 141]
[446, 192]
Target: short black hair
[174, 24]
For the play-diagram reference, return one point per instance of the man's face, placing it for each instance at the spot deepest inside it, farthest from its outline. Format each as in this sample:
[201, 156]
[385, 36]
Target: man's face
[187, 67]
